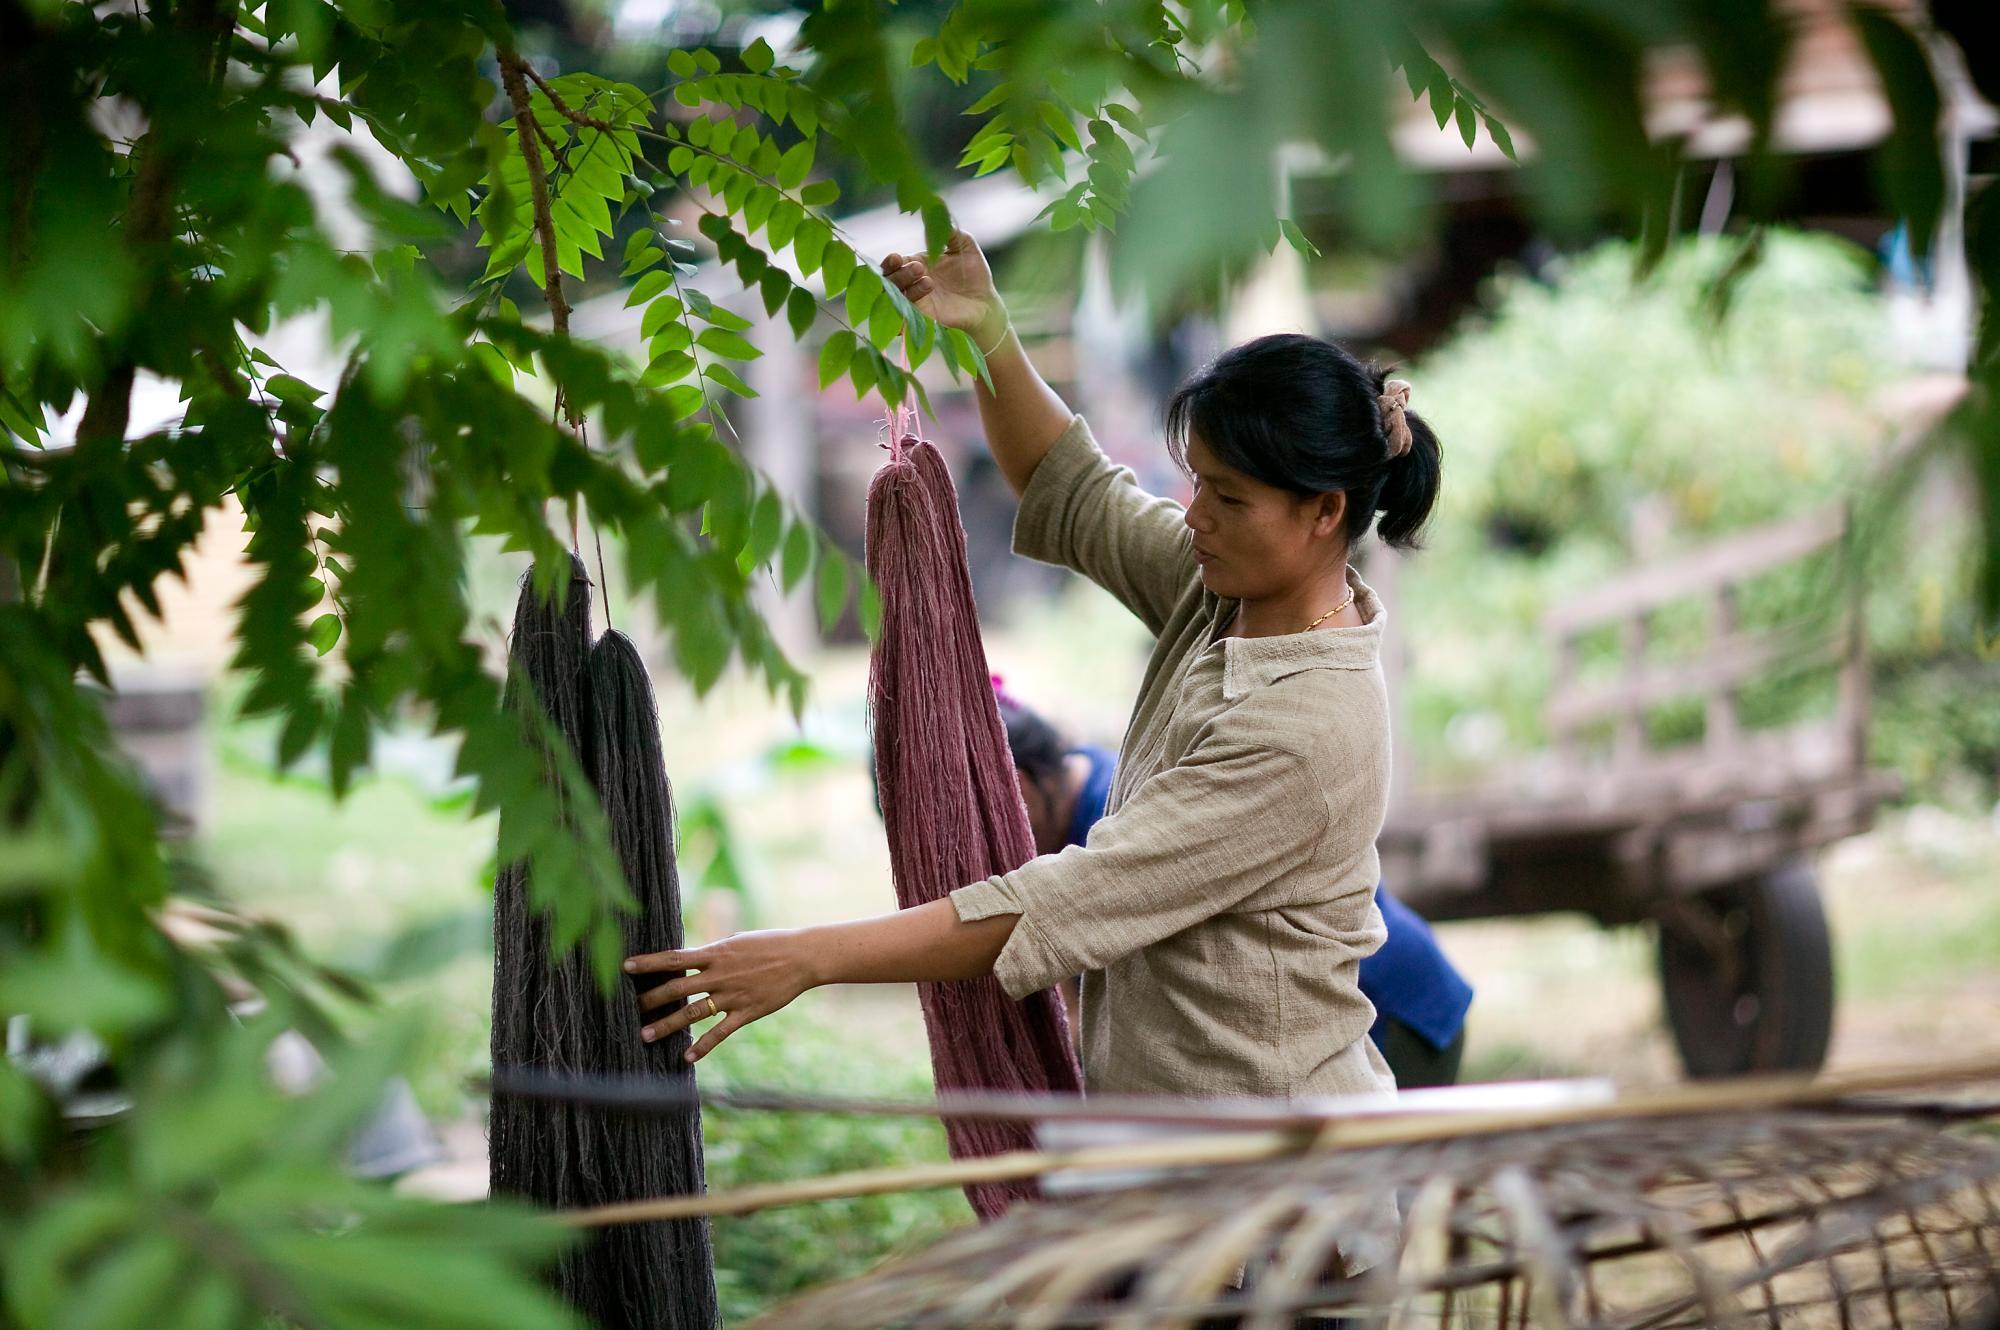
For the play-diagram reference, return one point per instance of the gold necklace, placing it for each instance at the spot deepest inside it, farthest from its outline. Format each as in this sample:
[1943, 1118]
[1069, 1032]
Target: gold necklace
[1330, 613]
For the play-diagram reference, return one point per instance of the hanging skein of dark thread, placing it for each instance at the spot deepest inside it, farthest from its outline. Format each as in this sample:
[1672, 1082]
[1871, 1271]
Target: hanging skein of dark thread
[950, 804]
[550, 1015]
[531, 1152]
[660, 1274]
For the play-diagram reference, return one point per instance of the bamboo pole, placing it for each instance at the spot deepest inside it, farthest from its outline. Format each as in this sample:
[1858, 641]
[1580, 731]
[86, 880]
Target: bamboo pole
[1318, 1134]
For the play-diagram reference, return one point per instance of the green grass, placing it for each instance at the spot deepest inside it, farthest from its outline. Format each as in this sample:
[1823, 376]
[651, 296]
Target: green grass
[352, 877]
[1951, 933]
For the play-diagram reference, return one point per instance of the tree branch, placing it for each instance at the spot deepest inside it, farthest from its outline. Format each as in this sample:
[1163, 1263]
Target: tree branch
[514, 74]
[109, 412]
[563, 108]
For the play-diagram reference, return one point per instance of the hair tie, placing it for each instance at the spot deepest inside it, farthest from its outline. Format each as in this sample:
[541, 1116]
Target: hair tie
[1394, 399]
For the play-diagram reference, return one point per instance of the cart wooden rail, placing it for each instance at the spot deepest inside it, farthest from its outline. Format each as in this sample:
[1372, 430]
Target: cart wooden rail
[1710, 841]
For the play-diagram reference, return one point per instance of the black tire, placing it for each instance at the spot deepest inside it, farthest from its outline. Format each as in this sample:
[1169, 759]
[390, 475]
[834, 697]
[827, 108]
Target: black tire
[1749, 986]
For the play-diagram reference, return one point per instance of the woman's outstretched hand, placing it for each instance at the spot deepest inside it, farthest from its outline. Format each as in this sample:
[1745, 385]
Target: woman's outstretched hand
[749, 976]
[752, 975]
[957, 289]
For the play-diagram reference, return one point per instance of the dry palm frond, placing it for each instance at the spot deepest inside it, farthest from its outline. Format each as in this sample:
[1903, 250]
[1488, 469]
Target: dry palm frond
[1777, 1216]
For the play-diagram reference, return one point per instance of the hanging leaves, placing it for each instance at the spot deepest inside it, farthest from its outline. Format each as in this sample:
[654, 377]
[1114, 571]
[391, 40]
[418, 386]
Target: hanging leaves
[358, 492]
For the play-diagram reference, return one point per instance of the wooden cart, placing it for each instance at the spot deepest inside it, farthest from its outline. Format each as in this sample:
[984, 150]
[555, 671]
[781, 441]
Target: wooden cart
[1709, 841]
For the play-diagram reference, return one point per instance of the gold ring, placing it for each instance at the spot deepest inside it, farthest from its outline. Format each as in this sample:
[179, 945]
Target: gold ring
[713, 1010]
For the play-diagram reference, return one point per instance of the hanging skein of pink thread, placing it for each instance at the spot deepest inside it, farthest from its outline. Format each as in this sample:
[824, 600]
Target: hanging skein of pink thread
[949, 799]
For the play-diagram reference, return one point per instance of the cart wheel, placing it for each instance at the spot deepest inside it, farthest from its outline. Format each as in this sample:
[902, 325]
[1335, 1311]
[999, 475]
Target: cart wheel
[1747, 973]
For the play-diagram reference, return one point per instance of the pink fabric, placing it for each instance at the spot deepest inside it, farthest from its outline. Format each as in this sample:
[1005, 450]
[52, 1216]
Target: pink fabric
[949, 801]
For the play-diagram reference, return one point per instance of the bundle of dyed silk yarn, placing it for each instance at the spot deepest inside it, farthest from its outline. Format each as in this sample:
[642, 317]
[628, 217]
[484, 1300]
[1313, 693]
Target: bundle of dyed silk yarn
[950, 804]
[551, 1016]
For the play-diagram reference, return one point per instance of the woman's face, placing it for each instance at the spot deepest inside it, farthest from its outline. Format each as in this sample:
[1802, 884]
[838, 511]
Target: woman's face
[1252, 540]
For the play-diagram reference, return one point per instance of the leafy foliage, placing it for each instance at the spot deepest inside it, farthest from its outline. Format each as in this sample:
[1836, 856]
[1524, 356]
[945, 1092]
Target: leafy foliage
[156, 224]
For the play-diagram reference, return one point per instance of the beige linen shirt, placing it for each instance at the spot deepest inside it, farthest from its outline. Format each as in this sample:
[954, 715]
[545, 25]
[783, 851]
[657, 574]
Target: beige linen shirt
[1220, 909]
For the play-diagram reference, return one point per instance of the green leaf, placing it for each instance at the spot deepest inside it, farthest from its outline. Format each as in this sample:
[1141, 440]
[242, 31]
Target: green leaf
[835, 267]
[722, 374]
[968, 354]
[831, 589]
[680, 64]
[1060, 125]
[70, 984]
[862, 370]
[643, 260]
[834, 357]
[1128, 119]
[819, 194]
[797, 555]
[1440, 94]
[720, 315]
[864, 288]
[659, 314]
[726, 343]
[494, 363]
[796, 164]
[937, 226]
[674, 337]
[325, 631]
[767, 525]
[783, 224]
[291, 390]
[647, 287]
[1468, 123]
[805, 110]
[800, 311]
[669, 368]
[757, 56]
[775, 287]
[727, 514]
[810, 245]
[757, 210]
[25, 1112]
[870, 609]
[884, 323]
[1000, 93]
[1498, 132]
[683, 400]
[699, 471]
[1297, 238]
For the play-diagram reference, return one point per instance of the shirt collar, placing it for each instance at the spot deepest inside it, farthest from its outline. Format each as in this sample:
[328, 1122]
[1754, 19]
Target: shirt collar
[1249, 663]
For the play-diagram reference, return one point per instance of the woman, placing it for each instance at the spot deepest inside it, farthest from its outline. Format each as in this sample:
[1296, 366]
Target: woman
[1222, 906]
[1420, 999]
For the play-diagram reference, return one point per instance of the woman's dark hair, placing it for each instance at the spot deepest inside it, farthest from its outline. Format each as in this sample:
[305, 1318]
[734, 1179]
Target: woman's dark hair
[1302, 414]
[1038, 749]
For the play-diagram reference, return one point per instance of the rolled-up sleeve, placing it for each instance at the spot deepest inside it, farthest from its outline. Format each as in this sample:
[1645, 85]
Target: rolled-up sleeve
[1193, 842]
[1086, 513]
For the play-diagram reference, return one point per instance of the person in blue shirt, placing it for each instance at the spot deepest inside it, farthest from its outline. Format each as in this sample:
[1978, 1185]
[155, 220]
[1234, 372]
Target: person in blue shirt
[1420, 999]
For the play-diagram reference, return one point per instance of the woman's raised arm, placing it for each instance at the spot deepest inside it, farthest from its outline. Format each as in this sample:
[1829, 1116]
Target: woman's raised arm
[1022, 415]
